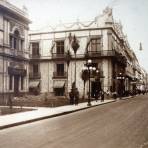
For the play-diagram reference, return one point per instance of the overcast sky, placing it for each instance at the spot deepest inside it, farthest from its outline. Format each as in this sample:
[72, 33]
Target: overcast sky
[131, 13]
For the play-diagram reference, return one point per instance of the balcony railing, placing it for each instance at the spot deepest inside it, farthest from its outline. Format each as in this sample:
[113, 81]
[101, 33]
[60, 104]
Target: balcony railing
[59, 75]
[58, 55]
[34, 75]
[102, 53]
[35, 56]
[9, 52]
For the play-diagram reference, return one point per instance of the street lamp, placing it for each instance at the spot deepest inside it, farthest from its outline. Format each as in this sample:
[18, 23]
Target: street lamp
[120, 77]
[88, 67]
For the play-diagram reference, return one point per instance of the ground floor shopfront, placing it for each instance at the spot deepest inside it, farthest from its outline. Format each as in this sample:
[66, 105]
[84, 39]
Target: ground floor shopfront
[13, 78]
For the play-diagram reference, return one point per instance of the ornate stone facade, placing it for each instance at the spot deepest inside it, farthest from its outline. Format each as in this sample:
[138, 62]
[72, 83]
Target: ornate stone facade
[14, 55]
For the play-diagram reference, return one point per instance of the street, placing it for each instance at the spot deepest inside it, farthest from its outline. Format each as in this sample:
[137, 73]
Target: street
[121, 124]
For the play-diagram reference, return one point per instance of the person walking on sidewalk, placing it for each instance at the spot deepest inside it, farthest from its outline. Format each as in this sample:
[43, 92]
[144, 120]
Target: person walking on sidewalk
[102, 96]
[71, 96]
[115, 95]
[96, 95]
[76, 96]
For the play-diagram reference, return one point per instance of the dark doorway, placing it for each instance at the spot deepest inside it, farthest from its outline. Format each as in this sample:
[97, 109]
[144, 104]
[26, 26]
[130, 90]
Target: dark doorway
[95, 87]
[16, 85]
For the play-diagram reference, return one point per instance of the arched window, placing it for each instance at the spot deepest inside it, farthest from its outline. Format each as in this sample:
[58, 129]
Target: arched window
[16, 42]
[16, 39]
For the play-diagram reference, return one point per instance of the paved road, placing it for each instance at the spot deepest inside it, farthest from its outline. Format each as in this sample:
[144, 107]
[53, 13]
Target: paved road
[122, 124]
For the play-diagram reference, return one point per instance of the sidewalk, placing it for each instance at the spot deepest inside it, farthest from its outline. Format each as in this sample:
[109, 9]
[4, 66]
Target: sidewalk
[43, 113]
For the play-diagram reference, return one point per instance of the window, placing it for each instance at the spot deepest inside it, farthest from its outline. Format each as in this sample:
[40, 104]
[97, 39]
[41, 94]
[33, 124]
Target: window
[96, 44]
[11, 41]
[60, 69]
[35, 49]
[22, 83]
[60, 47]
[10, 82]
[35, 68]
[15, 41]
[22, 45]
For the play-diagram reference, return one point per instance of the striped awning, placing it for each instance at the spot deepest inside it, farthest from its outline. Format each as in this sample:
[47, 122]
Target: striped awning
[59, 84]
[34, 84]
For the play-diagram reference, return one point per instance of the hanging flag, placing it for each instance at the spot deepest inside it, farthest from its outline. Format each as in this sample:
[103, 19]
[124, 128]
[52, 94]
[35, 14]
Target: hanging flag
[52, 47]
[88, 43]
[140, 46]
[70, 38]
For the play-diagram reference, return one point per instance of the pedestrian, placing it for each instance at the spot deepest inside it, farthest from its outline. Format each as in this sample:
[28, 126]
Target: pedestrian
[96, 95]
[76, 96]
[102, 96]
[115, 95]
[108, 94]
[71, 96]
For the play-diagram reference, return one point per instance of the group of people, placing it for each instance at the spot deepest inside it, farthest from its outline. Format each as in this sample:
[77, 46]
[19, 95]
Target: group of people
[74, 96]
[99, 94]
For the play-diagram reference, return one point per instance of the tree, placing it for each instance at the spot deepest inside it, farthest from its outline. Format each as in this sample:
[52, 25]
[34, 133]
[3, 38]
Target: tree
[84, 77]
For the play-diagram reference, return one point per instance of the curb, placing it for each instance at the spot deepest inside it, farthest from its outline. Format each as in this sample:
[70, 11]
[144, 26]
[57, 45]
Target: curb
[51, 116]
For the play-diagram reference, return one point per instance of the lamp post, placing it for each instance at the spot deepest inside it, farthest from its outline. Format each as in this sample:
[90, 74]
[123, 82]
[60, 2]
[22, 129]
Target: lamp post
[88, 67]
[120, 77]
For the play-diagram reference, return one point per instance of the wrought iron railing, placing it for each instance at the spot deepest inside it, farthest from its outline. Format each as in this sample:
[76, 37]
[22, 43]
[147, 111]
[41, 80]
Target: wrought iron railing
[59, 74]
[34, 75]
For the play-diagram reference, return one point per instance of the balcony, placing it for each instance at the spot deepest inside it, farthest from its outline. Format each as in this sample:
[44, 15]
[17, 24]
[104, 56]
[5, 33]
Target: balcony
[13, 53]
[59, 75]
[35, 56]
[34, 75]
[58, 55]
[102, 53]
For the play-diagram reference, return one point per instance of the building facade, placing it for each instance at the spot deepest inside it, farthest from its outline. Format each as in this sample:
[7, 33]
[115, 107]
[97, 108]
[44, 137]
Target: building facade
[14, 55]
[101, 40]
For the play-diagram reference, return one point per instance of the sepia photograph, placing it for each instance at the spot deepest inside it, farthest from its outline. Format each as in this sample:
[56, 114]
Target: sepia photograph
[73, 74]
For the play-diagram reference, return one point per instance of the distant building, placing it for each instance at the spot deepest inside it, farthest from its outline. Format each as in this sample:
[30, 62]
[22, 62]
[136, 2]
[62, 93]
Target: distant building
[101, 40]
[14, 56]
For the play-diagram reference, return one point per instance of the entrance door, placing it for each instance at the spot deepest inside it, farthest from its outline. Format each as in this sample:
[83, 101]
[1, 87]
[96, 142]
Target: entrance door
[16, 85]
[95, 87]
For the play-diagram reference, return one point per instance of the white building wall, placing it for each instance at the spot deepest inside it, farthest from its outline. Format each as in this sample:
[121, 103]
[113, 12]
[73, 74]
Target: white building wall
[46, 69]
[46, 47]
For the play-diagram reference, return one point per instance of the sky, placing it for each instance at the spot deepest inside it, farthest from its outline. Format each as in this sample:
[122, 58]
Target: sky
[131, 13]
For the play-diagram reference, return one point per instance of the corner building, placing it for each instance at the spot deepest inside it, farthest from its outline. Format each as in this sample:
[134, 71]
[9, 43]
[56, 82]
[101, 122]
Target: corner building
[102, 40]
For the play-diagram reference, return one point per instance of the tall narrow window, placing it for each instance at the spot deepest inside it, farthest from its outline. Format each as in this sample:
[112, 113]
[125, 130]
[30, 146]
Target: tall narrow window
[35, 49]
[60, 69]
[22, 45]
[11, 41]
[10, 82]
[22, 82]
[35, 68]
[60, 47]
[96, 44]
[16, 40]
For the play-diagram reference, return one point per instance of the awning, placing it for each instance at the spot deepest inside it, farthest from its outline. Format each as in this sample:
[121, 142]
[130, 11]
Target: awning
[34, 84]
[59, 84]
